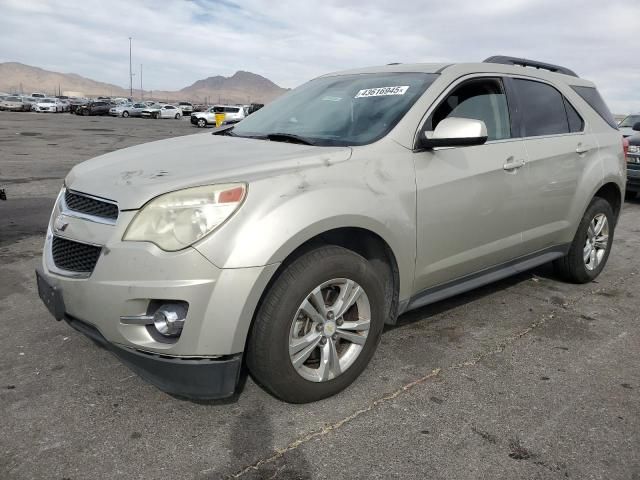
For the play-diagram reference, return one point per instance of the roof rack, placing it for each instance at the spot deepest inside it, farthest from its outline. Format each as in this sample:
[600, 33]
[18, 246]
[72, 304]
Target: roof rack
[503, 60]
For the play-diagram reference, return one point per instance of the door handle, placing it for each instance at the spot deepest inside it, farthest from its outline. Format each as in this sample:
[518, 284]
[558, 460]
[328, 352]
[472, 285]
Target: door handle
[582, 149]
[512, 164]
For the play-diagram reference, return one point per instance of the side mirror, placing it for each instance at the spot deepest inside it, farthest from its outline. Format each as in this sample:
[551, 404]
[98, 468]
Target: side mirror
[636, 127]
[455, 132]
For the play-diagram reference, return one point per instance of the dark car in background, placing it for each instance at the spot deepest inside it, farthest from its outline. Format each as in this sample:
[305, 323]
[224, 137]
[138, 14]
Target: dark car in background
[633, 162]
[94, 108]
[626, 125]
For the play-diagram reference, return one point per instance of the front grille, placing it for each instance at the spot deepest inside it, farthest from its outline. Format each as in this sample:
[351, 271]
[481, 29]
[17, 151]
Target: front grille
[90, 206]
[74, 256]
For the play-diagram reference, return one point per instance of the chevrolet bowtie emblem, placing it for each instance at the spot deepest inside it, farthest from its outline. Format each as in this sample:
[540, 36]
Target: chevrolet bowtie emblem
[60, 225]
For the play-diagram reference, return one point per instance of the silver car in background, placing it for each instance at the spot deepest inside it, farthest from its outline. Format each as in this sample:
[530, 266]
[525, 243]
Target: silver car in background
[128, 110]
[15, 103]
[287, 241]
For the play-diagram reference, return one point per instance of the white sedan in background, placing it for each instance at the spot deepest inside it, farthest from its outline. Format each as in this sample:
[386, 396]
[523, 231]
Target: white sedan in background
[162, 111]
[48, 105]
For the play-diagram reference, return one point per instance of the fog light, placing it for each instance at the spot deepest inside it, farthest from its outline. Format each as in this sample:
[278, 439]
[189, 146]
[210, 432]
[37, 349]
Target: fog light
[169, 320]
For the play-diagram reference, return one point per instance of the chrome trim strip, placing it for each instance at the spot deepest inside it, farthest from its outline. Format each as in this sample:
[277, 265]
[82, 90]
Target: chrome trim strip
[136, 319]
[65, 210]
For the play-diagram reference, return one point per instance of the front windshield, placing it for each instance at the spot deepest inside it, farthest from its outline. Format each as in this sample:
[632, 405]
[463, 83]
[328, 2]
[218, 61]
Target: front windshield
[339, 110]
[13, 99]
[630, 121]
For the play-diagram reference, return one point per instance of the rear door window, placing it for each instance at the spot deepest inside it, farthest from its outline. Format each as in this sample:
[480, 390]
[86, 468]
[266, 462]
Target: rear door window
[542, 109]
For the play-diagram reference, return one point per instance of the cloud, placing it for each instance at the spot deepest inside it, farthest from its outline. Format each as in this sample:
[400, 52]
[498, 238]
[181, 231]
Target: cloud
[180, 41]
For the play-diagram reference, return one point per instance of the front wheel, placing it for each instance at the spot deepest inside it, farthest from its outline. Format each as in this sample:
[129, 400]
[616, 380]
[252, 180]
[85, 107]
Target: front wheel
[318, 325]
[202, 123]
[591, 245]
[125, 114]
[177, 117]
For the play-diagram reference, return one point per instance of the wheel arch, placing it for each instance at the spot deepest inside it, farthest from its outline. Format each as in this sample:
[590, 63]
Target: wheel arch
[610, 191]
[360, 240]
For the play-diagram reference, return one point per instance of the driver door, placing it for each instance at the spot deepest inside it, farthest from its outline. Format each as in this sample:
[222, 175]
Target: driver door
[469, 199]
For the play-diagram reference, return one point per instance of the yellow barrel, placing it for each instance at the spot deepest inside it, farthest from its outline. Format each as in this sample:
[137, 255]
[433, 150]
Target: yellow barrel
[219, 119]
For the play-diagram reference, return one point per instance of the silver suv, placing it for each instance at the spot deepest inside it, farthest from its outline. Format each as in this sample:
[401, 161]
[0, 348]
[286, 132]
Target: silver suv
[289, 239]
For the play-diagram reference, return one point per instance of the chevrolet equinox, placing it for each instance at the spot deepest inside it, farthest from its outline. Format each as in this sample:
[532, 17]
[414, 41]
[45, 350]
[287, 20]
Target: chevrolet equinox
[286, 241]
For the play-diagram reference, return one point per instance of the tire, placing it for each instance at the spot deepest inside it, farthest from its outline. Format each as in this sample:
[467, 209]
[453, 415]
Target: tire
[177, 117]
[125, 114]
[574, 267]
[280, 320]
[202, 123]
[156, 116]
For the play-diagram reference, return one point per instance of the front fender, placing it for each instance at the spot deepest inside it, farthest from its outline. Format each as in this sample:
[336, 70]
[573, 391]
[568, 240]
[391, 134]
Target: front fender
[280, 214]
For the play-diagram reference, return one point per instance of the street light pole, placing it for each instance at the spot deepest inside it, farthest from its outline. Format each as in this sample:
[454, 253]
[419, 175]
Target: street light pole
[141, 90]
[130, 72]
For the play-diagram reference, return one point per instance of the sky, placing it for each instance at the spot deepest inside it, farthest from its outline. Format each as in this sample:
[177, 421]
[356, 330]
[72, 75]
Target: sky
[292, 41]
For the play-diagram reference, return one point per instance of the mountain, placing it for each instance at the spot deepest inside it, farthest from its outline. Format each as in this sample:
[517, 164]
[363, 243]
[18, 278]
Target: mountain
[244, 86]
[241, 87]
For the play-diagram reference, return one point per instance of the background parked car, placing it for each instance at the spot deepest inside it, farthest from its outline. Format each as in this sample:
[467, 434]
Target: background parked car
[626, 125]
[186, 107]
[162, 111]
[52, 105]
[15, 104]
[38, 95]
[94, 108]
[76, 102]
[128, 110]
[31, 101]
[232, 114]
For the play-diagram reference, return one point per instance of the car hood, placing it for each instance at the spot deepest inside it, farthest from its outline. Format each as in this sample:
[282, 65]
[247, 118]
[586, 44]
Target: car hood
[135, 175]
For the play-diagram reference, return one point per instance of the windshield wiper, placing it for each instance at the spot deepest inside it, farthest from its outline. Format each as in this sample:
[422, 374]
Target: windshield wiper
[290, 137]
[223, 130]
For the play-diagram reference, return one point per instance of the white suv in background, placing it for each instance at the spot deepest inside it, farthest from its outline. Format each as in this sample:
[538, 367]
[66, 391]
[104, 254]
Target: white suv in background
[232, 114]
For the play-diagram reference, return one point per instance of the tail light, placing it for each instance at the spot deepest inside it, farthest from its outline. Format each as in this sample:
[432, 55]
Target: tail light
[625, 147]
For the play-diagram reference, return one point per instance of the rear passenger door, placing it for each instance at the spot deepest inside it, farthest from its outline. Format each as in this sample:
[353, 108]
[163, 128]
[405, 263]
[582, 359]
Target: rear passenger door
[558, 148]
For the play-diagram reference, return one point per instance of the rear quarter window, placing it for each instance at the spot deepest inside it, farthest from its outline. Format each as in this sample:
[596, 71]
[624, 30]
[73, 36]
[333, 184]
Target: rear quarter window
[595, 101]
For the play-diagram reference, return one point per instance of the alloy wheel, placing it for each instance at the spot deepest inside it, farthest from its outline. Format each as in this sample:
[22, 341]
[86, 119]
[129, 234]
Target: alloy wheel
[597, 242]
[329, 330]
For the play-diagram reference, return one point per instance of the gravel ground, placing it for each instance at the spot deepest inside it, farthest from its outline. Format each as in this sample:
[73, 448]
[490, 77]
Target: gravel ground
[527, 378]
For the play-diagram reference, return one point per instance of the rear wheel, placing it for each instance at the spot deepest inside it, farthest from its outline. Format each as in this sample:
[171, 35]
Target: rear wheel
[318, 325]
[177, 117]
[591, 245]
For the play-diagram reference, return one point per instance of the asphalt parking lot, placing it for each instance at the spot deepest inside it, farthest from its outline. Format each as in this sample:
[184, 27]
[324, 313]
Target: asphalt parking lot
[527, 378]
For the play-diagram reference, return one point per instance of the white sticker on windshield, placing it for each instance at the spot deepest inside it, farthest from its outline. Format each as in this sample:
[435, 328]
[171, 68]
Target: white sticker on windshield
[382, 91]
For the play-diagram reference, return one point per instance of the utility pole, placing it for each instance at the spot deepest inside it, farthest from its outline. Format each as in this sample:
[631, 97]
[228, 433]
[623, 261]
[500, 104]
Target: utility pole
[141, 90]
[130, 72]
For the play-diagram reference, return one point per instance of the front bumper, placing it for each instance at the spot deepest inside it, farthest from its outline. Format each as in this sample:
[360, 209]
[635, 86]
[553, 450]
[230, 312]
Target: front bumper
[197, 378]
[132, 278]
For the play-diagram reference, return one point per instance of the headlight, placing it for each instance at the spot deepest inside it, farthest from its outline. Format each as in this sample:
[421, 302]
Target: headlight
[176, 220]
[634, 149]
